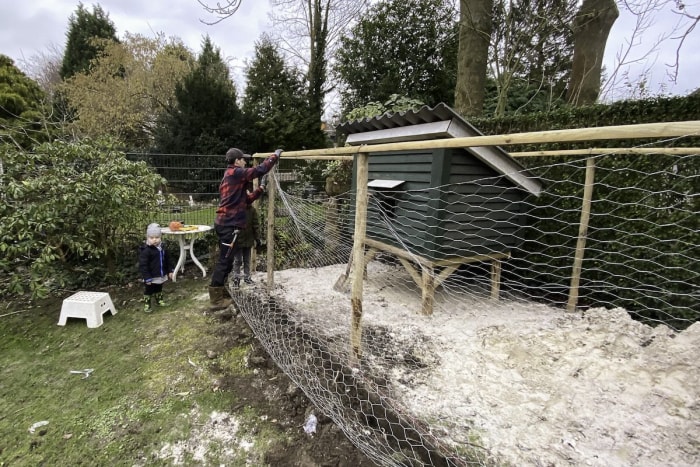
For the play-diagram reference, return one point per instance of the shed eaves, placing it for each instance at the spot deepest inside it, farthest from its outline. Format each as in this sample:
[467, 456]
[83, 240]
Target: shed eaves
[432, 123]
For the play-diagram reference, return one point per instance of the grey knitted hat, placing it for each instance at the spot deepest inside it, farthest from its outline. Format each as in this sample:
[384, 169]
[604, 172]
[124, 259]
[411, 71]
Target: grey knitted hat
[153, 230]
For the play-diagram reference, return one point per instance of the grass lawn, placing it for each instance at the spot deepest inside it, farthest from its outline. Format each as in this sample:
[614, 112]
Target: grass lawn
[154, 382]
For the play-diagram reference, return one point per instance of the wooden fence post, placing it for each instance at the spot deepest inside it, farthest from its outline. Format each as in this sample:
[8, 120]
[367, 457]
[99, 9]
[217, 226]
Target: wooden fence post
[582, 234]
[361, 194]
[271, 188]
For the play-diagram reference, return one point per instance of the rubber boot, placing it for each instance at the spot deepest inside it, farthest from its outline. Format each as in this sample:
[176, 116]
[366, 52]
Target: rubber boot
[219, 298]
[159, 299]
[147, 303]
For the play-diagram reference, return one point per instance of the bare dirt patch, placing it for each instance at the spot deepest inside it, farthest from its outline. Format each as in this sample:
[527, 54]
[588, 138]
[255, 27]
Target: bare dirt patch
[284, 405]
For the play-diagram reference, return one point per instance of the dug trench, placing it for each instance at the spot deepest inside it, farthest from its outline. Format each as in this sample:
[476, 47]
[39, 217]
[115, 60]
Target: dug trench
[358, 399]
[288, 409]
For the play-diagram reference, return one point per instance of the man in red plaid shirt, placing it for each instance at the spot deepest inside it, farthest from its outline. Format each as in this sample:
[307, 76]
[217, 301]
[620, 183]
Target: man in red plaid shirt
[230, 216]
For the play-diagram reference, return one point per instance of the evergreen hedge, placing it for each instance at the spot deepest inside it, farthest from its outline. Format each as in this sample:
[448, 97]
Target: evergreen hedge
[643, 238]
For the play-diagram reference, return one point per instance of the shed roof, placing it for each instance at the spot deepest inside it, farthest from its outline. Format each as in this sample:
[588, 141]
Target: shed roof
[437, 122]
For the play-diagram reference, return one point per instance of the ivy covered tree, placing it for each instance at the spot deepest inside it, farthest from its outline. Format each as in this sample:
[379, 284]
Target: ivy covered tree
[530, 55]
[205, 117]
[21, 106]
[405, 47]
[88, 34]
[274, 103]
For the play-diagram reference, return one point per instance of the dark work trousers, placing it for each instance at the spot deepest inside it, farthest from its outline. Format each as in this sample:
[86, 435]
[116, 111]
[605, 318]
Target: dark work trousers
[152, 289]
[224, 265]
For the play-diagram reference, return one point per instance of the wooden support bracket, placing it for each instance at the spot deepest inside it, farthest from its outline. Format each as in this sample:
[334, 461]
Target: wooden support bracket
[422, 270]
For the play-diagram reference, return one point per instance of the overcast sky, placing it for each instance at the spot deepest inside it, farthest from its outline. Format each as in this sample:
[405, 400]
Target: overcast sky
[28, 28]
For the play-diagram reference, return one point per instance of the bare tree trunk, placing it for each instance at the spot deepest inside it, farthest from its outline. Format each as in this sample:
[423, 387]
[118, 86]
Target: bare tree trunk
[475, 24]
[591, 28]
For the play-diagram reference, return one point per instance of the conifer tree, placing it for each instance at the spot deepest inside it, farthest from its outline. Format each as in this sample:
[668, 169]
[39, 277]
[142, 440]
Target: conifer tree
[399, 47]
[21, 101]
[275, 104]
[205, 118]
[87, 35]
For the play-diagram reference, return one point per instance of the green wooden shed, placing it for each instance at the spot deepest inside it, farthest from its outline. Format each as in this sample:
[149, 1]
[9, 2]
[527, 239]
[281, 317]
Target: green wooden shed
[440, 207]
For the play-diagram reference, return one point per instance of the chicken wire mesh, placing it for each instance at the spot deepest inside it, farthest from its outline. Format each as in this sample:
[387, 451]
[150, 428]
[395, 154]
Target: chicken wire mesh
[428, 273]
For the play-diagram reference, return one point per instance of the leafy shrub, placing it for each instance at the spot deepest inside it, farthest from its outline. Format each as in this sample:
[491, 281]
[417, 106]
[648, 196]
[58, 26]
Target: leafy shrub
[69, 212]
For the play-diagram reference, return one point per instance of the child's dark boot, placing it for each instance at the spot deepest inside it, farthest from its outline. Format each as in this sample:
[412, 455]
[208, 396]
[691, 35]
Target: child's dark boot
[159, 299]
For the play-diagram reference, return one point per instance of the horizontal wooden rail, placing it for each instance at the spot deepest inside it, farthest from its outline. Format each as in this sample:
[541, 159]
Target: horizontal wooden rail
[643, 130]
[610, 151]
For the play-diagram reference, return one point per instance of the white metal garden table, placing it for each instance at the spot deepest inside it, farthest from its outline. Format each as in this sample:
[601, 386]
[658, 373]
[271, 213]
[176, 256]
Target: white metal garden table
[185, 238]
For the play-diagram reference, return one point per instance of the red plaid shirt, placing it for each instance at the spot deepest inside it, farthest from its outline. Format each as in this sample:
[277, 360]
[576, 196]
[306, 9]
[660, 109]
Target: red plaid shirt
[231, 210]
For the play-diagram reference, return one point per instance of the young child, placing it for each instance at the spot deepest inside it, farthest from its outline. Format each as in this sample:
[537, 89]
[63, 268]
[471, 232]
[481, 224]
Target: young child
[247, 238]
[154, 266]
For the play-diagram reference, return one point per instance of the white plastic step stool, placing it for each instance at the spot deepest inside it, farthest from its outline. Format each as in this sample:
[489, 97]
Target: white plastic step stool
[87, 305]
